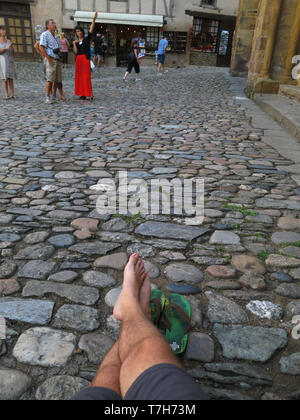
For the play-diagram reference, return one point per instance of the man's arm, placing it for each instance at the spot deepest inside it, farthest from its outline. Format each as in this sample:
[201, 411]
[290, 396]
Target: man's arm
[43, 45]
[37, 48]
[44, 54]
[166, 46]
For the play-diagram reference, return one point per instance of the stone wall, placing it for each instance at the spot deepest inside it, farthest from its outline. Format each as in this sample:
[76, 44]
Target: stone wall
[202, 59]
[242, 48]
[282, 38]
[173, 10]
[273, 37]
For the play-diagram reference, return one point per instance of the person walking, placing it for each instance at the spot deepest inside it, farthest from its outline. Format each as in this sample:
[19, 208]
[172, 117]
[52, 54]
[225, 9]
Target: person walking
[64, 48]
[83, 71]
[50, 47]
[141, 364]
[133, 61]
[161, 54]
[7, 65]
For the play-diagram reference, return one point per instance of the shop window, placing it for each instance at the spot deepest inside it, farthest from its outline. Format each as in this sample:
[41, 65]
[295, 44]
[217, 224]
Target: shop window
[17, 20]
[205, 35]
[106, 30]
[177, 41]
[152, 39]
[20, 34]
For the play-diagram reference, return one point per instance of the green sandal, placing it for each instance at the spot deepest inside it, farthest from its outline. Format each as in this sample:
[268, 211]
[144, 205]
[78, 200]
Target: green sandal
[177, 320]
[157, 304]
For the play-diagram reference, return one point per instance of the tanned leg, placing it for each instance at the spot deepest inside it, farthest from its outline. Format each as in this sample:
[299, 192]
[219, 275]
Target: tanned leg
[5, 88]
[108, 375]
[49, 88]
[11, 87]
[141, 345]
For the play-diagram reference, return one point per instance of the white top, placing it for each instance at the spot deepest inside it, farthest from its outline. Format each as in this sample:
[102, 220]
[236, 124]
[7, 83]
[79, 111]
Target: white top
[7, 63]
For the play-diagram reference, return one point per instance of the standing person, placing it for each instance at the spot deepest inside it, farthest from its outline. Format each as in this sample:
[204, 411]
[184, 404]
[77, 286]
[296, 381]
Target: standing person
[161, 54]
[49, 47]
[37, 47]
[133, 61]
[7, 65]
[83, 72]
[64, 48]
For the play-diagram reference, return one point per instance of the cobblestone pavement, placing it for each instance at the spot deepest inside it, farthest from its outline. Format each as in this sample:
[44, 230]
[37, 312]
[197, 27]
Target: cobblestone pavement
[61, 262]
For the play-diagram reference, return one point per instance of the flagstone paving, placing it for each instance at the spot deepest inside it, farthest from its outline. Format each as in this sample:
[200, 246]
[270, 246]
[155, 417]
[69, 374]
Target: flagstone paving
[61, 261]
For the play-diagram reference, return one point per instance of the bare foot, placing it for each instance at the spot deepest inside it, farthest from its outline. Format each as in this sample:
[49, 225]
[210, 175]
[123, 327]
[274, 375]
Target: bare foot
[129, 299]
[145, 294]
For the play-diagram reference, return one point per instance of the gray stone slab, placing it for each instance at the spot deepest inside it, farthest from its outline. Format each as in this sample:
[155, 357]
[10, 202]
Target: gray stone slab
[78, 294]
[169, 231]
[44, 347]
[255, 344]
[13, 384]
[77, 317]
[37, 312]
[224, 311]
[94, 248]
[37, 269]
[60, 388]
[181, 272]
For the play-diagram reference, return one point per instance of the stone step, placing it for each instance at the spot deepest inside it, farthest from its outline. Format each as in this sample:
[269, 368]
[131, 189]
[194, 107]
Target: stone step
[284, 110]
[292, 92]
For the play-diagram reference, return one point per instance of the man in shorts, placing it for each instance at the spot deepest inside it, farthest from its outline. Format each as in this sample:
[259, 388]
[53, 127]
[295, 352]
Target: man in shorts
[161, 54]
[141, 364]
[49, 45]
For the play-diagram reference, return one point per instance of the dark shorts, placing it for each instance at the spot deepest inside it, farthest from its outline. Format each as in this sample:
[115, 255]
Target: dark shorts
[65, 57]
[162, 58]
[164, 382]
[135, 64]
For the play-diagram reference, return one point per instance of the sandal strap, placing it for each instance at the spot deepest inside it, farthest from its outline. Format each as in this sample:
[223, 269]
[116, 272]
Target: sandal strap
[167, 323]
[158, 304]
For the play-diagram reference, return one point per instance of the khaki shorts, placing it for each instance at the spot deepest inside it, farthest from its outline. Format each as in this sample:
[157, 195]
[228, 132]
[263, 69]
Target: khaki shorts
[53, 71]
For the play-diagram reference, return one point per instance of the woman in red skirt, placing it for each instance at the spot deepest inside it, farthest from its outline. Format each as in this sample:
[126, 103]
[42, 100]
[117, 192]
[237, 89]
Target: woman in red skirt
[83, 71]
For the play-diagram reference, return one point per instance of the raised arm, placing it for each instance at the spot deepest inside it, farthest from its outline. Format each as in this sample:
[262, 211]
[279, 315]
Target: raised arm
[93, 23]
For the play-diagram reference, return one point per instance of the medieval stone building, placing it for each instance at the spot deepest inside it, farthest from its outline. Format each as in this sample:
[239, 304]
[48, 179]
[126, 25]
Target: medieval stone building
[200, 31]
[267, 43]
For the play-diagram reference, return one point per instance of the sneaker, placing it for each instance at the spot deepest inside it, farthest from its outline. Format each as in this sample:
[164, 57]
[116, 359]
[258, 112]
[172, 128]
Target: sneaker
[138, 80]
[166, 71]
[124, 80]
[48, 101]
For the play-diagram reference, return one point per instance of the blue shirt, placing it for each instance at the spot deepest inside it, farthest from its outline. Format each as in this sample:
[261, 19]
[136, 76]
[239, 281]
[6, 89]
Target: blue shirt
[163, 43]
[50, 43]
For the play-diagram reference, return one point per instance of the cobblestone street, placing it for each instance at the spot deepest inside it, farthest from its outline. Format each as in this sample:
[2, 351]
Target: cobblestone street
[61, 262]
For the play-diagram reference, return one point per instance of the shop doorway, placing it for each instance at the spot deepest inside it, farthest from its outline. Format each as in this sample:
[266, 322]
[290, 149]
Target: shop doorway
[227, 29]
[125, 37]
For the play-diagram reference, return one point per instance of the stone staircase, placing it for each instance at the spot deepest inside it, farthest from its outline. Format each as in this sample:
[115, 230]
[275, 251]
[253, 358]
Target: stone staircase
[284, 108]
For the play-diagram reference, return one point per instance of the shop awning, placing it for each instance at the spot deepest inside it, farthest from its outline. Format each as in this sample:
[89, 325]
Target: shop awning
[121, 19]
